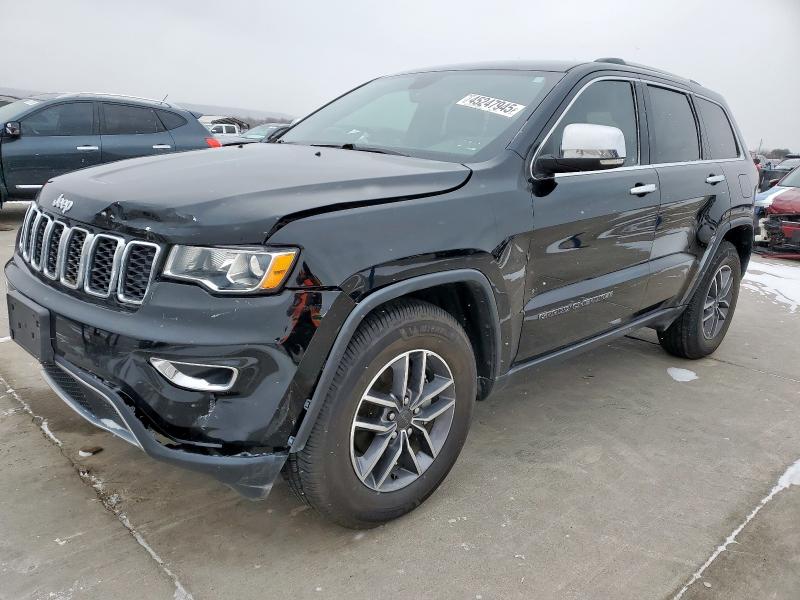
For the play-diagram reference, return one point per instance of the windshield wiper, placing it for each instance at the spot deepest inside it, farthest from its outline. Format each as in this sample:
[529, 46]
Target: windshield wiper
[350, 146]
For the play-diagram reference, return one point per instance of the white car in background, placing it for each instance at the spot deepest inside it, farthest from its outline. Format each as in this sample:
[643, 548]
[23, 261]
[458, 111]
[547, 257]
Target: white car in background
[224, 129]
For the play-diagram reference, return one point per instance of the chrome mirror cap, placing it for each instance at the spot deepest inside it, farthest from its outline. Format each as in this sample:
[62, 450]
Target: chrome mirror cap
[599, 142]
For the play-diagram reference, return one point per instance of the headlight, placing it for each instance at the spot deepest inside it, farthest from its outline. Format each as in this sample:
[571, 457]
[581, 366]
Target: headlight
[231, 270]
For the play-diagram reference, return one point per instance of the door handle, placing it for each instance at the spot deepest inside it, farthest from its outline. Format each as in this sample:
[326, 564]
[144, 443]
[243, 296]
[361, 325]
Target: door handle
[715, 179]
[87, 148]
[161, 147]
[640, 189]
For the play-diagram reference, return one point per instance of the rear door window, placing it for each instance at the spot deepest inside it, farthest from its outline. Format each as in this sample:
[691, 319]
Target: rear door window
[673, 127]
[71, 118]
[721, 140]
[606, 102]
[122, 119]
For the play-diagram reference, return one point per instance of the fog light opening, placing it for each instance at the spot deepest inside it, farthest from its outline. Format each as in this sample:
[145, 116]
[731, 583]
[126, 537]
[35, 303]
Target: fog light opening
[195, 376]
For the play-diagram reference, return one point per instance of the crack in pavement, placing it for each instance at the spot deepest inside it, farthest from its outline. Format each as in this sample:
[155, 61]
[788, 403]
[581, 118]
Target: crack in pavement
[789, 478]
[109, 502]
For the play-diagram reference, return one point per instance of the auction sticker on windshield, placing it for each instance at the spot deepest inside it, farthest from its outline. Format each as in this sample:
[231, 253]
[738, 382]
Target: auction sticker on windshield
[495, 106]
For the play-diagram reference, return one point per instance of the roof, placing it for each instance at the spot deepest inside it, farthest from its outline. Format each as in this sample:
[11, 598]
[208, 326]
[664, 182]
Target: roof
[104, 96]
[505, 65]
[563, 67]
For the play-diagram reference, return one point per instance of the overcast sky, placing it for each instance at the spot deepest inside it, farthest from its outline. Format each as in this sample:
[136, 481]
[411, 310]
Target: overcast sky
[292, 56]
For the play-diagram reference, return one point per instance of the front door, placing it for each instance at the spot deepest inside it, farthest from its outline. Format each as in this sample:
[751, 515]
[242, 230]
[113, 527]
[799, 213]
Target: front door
[54, 140]
[593, 232]
[130, 131]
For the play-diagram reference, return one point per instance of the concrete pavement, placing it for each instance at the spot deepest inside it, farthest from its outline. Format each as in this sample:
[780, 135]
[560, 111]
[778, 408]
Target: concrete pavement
[601, 477]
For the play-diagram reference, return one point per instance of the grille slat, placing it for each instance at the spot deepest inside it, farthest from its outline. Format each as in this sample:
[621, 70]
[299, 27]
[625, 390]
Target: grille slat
[50, 266]
[37, 243]
[100, 264]
[137, 269]
[72, 260]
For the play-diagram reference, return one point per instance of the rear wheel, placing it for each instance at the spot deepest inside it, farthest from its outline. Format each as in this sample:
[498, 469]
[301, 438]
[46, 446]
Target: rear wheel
[703, 324]
[394, 420]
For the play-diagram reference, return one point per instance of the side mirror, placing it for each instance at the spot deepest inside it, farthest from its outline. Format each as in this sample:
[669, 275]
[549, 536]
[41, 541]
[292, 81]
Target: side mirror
[773, 182]
[585, 147]
[13, 129]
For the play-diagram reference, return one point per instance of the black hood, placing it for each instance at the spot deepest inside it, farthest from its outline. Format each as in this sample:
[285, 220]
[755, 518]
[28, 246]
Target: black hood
[238, 195]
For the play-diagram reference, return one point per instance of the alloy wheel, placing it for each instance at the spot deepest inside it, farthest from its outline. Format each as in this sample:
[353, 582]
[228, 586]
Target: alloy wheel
[402, 420]
[718, 302]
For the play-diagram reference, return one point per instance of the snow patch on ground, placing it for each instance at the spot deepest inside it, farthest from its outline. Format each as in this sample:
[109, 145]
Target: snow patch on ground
[789, 478]
[778, 282]
[681, 375]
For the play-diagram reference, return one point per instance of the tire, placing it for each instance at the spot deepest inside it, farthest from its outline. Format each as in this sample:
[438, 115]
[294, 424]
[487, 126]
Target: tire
[691, 335]
[324, 474]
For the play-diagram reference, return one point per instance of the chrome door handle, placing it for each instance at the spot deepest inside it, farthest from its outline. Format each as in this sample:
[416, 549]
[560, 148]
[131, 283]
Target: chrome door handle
[641, 190]
[162, 147]
[87, 148]
[715, 179]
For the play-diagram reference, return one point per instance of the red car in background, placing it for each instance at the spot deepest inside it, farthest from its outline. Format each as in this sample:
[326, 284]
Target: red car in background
[777, 214]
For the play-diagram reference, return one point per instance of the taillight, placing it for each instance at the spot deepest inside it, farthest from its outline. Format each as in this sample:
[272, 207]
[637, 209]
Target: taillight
[213, 143]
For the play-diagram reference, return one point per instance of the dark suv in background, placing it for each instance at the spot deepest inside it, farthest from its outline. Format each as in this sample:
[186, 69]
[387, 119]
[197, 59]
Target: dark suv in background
[332, 305]
[51, 134]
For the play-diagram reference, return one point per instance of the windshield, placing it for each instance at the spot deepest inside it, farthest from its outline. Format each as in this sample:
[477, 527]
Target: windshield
[259, 131]
[444, 115]
[791, 180]
[10, 112]
[789, 163]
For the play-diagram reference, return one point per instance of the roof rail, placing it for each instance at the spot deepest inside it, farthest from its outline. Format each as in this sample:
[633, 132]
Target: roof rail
[165, 103]
[612, 60]
[619, 61]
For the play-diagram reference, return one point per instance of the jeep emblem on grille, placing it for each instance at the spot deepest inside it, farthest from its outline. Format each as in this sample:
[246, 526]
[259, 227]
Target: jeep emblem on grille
[63, 204]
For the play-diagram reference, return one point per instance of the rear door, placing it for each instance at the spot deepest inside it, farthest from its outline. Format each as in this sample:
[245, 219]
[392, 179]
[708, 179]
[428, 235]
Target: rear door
[55, 140]
[692, 189]
[129, 131]
[731, 160]
[593, 233]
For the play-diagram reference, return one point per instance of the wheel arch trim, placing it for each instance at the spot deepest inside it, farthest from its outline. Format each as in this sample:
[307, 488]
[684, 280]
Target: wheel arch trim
[722, 231]
[367, 305]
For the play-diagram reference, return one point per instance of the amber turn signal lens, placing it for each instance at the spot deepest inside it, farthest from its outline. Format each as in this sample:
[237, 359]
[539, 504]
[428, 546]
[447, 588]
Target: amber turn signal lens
[278, 270]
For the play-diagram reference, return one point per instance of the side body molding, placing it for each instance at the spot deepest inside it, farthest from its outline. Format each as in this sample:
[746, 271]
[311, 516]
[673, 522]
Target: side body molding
[364, 307]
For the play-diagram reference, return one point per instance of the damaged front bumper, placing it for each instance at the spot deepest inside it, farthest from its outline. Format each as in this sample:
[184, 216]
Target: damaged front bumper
[252, 475]
[98, 359]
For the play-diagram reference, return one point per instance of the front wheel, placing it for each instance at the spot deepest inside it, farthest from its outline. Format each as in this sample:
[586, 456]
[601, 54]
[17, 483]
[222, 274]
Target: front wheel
[394, 420]
[703, 324]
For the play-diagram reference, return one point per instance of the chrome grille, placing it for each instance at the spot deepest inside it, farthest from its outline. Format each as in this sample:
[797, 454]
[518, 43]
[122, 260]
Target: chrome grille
[137, 264]
[51, 246]
[72, 266]
[100, 264]
[37, 240]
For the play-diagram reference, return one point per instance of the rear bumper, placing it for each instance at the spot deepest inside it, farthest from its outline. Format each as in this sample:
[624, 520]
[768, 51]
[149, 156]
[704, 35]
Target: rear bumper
[250, 475]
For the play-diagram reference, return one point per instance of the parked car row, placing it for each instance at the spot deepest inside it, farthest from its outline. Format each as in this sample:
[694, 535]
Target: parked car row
[47, 135]
[772, 170]
[777, 213]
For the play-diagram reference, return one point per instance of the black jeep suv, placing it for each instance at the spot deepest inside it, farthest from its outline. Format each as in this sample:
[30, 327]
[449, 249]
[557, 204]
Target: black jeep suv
[332, 305]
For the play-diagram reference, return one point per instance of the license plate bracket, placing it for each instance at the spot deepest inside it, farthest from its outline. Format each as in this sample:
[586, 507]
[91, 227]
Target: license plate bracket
[29, 326]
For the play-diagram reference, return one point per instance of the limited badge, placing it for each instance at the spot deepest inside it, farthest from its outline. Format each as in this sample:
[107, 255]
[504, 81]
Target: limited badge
[496, 106]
